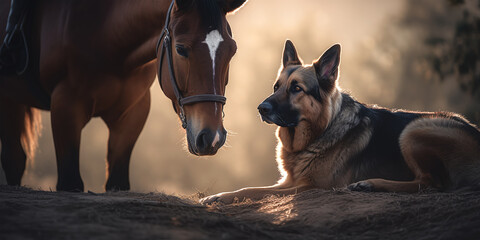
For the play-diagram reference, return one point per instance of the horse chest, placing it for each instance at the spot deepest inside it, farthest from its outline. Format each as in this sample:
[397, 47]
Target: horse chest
[118, 93]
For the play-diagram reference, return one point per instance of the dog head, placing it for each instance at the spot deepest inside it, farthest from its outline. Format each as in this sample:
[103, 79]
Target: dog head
[305, 97]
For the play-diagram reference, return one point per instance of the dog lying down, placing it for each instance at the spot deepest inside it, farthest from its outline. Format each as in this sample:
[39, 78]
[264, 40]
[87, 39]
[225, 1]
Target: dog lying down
[329, 140]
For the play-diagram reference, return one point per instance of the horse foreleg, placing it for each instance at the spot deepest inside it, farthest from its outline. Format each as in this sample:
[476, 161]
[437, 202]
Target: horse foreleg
[13, 156]
[70, 112]
[124, 132]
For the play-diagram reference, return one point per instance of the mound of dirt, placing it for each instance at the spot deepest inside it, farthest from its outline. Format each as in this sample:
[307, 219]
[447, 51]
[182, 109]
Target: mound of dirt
[25, 213]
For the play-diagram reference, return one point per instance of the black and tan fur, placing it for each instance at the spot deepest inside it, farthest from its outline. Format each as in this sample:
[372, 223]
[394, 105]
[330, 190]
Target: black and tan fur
[327, 139]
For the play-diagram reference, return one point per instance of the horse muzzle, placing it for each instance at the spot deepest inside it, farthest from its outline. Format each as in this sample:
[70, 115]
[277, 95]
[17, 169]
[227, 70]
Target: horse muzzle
[206, 141]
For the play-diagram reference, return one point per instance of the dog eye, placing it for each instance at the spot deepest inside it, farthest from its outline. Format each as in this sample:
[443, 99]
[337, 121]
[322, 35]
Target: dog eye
[275, 88]
[181, 50]
[296, 88]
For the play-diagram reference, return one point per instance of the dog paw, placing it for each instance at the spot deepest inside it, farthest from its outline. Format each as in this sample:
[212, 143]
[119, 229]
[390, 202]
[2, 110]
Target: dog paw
[362, 186]
[209, 200]
[225, 198]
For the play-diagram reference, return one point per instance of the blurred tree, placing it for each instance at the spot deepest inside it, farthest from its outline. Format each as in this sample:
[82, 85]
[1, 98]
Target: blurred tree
[460, 57]
[425, 58]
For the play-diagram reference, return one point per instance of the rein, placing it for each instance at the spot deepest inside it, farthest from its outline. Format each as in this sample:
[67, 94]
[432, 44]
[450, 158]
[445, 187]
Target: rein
[167, 47]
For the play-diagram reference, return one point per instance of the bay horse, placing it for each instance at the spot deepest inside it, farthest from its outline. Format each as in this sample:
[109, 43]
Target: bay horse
[99, 59]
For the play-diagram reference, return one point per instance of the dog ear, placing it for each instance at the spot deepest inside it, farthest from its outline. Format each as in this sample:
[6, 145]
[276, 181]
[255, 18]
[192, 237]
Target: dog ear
[231, 5]
[326, 67]
[290, 56]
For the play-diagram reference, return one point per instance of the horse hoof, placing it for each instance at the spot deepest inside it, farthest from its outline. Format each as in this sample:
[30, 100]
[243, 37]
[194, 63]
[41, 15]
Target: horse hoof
[117, 186]
[70, 187]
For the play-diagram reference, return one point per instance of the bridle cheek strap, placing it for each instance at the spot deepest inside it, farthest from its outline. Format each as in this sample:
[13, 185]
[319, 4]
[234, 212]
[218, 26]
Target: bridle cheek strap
[167, 47]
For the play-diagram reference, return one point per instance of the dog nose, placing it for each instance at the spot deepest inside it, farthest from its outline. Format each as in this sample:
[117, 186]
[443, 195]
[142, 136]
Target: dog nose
[265, 108]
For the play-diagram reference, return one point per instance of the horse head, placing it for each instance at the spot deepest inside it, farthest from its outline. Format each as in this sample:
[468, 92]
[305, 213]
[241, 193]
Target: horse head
[194, 64]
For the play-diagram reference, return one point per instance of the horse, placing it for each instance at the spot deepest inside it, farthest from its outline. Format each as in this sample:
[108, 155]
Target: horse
[99, 59]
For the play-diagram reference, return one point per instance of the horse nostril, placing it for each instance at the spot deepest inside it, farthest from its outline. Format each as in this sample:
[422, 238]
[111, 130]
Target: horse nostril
[265, 108]
[202, 140]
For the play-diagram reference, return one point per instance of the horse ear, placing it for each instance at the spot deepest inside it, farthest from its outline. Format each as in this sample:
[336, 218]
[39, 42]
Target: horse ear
[290, 56]
[231, 5]
[182, 4]
[326, 67]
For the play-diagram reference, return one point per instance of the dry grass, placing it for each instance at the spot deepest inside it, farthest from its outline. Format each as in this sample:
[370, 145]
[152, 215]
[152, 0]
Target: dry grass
[25, 213]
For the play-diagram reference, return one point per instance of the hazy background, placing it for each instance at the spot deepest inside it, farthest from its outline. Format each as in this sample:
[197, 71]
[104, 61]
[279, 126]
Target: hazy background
[394, 53]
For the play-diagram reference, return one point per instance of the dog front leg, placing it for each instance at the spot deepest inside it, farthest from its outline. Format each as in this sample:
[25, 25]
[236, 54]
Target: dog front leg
[253, 193]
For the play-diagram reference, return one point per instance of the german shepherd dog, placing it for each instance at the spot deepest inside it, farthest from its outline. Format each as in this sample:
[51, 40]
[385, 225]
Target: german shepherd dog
[329, 140]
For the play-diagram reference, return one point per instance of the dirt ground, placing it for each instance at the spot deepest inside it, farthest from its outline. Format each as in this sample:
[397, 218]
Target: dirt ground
[315, 214]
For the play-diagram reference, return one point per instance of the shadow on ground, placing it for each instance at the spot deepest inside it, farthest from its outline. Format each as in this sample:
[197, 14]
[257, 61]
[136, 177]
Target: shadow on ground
[25, 213]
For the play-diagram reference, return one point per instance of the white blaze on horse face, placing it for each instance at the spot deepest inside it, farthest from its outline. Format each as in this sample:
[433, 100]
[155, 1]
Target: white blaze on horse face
[213, 40]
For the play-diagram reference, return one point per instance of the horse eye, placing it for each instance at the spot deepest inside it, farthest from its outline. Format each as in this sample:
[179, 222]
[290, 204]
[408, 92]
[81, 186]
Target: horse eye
[181, 50]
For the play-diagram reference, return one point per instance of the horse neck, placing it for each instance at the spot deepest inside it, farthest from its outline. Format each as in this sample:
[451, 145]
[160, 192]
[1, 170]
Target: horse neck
[133, 27]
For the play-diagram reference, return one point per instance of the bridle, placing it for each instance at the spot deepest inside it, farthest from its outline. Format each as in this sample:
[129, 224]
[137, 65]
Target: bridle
[167, 47]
